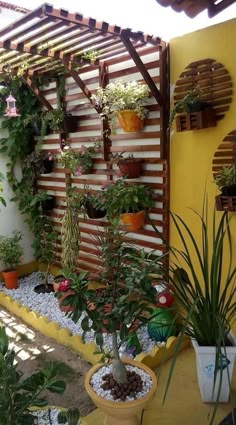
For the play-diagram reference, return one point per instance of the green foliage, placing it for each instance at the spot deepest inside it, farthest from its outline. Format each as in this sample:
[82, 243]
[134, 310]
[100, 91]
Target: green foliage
[2, 200]
[78, 162]
[71, 416]
[117, 96]
[120, 197]
[183, 105]
[226, 176]
[127, 288]
[19, 394]
[11, 250]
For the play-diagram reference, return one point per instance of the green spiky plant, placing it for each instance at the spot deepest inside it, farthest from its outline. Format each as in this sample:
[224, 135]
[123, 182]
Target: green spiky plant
[18, 394]
[204, 294]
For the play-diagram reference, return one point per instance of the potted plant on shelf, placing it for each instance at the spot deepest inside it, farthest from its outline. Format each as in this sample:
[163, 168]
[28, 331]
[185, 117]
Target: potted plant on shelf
[192, 101]
[226, 180]
[126, 102]
[11, 253]
[90, 202]
[127, 297]
[42, 162]
[128, 201]
[129, 167]
[205, 296]
[78, 162]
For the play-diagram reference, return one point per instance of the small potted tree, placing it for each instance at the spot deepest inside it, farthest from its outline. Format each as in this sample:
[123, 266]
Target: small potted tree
[226, 182]
[128, 201]
[126, 102]
[11, 252]
[126, 299]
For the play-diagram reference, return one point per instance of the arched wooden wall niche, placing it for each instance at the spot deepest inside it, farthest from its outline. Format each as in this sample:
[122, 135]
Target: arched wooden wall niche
[215, 85]
[225, 156]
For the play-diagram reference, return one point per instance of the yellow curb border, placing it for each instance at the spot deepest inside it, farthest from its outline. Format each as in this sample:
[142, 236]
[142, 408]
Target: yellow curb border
[156, 357]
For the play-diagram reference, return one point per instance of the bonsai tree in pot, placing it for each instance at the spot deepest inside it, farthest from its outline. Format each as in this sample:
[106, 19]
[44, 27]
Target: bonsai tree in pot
[124, 300]
[129, 201]
[126, 102]
[205, 295]
[11, 253]
[226, 180]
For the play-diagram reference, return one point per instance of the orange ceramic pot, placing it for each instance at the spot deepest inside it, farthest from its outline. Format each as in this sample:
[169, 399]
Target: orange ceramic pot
[124, 412]
[133, 221]
[64, 308]
[129, 121]
[10, 279]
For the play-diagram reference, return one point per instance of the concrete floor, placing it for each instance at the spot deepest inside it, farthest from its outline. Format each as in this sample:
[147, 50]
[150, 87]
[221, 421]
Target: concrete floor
[183, 405]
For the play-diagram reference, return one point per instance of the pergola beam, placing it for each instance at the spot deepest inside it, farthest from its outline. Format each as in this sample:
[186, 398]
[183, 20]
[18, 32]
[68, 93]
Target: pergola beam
[37, 93]
[141, 67]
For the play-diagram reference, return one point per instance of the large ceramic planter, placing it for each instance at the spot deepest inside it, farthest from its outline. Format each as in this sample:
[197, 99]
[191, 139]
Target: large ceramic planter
[205, 362]
[125, 412]
[133, 221]
[129, 121]
[10, 279]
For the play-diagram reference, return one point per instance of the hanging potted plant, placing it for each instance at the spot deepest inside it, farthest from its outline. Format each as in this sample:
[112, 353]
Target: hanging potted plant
[129, 167]
[126, 102]
[129, 202]
[78, 162]
[127, 386]
[42, 162]
[10, 255]
[90, 201]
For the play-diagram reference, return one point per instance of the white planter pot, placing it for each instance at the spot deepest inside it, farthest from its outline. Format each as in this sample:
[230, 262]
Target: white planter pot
[205, 361]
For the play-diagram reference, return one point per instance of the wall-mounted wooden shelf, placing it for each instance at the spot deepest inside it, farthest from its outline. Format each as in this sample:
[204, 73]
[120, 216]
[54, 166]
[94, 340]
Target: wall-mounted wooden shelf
[225, 203]
[196, 120]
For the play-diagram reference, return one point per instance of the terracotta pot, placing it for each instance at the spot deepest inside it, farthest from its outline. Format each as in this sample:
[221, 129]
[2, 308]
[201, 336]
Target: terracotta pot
[124, 412]
[129, 121]
[131, 168]
[10, 279]
[133, 221]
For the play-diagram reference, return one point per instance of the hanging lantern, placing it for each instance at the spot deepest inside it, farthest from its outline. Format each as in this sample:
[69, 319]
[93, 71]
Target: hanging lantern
[11, 110]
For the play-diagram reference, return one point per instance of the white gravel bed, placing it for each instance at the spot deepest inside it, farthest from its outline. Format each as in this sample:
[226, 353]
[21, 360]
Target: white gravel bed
[47, 305]
[96, 382]
[47, 417]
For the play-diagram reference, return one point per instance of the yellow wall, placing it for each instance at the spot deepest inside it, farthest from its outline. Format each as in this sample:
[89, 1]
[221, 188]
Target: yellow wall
[191, 152]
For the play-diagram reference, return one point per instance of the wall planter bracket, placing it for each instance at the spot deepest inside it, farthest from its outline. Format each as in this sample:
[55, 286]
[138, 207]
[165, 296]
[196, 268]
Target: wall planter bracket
[196, 120]
[225, 203]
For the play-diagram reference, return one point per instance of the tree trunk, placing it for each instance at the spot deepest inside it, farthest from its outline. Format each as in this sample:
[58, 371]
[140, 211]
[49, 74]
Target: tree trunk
[118, 367]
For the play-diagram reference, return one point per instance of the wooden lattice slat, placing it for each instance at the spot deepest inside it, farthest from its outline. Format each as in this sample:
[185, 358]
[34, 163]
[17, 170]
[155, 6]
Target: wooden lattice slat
[225, 154]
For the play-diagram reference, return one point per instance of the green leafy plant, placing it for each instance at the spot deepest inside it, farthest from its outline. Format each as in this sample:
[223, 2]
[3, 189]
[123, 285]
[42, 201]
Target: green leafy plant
[118, 96]
[78, 162]
[193, 97]
[120, 197]
[226, 177]
[18, 394]
[70, 416]
[37, 160]
[125, 296]
[70, 230]
[10, 250]
[205, 294]
[2, 200]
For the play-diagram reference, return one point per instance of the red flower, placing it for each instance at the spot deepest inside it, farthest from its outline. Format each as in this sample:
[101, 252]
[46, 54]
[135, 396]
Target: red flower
[64, 286]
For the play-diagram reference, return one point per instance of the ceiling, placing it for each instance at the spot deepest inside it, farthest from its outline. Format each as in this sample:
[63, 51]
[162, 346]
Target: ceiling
[193, 7]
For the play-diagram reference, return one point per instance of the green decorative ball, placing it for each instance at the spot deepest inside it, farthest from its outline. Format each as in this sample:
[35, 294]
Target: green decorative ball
[161, 326]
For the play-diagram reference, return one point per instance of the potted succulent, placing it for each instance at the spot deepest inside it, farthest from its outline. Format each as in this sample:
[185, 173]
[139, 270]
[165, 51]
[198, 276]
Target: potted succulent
[129, 167]
[205, 295]
[126, 102]
[128, 201]
[11, 253]
[78, 162]
[226, 180]
[126, 299]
